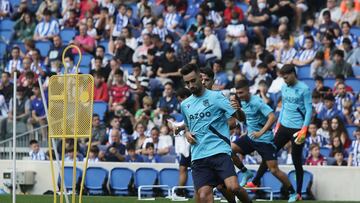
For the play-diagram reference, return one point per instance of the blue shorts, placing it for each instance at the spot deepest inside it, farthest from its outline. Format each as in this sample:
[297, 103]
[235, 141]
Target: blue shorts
[185, 161]
[266, 150]
[212, 170]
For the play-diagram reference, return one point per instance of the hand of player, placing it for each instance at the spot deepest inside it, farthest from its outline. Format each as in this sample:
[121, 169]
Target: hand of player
[276, 127]
[190, 137]
[300, 136]
[235, 104]
[256, 134]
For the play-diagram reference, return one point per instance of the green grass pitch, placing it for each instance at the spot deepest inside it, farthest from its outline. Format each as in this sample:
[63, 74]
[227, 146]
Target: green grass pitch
[92, 199]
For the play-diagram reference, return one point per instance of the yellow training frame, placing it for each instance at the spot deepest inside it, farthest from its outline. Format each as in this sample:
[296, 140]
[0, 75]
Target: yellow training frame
[71, 98]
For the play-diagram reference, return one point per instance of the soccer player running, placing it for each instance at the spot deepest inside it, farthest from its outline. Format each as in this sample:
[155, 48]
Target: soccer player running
[292, 124]
[259, 119]
[206, 114]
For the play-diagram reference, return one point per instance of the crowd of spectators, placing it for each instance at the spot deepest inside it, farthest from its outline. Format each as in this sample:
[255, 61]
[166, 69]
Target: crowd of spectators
[236, 39]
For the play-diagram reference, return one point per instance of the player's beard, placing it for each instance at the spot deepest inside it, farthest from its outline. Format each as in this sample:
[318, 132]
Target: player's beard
[195, 90]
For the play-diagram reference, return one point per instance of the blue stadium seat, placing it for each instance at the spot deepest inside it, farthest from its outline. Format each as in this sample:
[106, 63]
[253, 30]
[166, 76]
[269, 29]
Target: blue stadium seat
[310, 82]
[244, 6]
[177, 116]
[68, 174]
[168, 158]
[105, 44]
[134, 8]
[303, 72]
[354, 83]
[120, 187]
[145, 176]
[67, 35]
[355, 31]
[325, 151]
[15, 3]
[189, 22]
[307, 182]
[350, 130]
[20, 44]
[84, 69]
[2, 50]
[85, 60]
[6, 24]
[168, 176]
[127, 68]
[136, 33]
[43, 47]
[6, 36]
[95, 180]
[330, 82]
[100, 108]
[356, 70]
[269, 180]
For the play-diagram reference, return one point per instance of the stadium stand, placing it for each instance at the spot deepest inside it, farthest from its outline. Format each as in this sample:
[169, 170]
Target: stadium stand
[96, 181]
[120, 187]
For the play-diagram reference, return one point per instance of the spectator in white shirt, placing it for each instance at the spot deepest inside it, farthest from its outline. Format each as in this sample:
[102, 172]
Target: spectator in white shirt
[46, 29]
[4, 9]
[286, 53]
[36, 153]
[172, 19]
[3, 114]
[121, 21]
[210, 48]
[236, 36]
[249, 68]
[162, 146]
[15, 62]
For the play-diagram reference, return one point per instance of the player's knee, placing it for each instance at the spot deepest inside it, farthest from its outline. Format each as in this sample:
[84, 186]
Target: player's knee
[204, 196]
[274, 170]
[234, 188]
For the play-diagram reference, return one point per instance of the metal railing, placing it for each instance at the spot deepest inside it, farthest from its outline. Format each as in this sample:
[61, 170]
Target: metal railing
[22, 143]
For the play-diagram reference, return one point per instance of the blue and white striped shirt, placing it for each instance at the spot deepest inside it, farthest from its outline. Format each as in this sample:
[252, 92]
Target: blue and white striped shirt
[162, 32]
[4, 6]
[171, 19]
[287, 55]
[215, 17]
[45, 29]
[121, 21]
[351, 37]
[14, 63]
[305, 54]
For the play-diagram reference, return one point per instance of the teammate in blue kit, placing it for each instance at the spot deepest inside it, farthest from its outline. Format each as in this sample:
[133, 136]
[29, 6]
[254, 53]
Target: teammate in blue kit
[206, 114]
[259, 119]
[292, 124]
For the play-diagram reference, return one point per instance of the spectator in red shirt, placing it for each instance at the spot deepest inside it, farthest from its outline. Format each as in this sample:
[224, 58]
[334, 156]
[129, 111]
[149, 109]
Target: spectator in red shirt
[84, 41]
[230, 7]
[88, 6]
[119, 92]
[339, 79]
[315, 158]
[100, 89]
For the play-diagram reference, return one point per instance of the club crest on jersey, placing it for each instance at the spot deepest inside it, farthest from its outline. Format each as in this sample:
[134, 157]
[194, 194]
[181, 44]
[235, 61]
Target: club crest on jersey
[206, 103]
[188, 106]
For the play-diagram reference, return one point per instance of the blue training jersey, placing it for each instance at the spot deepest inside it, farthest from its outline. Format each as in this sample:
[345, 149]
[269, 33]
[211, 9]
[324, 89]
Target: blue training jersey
[296, 106]
[206, 117]
[257, 111]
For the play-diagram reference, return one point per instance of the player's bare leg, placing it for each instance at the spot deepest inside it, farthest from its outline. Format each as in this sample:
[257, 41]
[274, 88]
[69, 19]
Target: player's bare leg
[274, 169]
[205, 194]
[229, 196]
[182, 179]
[232, 184]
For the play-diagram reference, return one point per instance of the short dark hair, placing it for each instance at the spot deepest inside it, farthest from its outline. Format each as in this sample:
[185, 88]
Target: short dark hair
[188, 68]
[319, 78]
[319, 55]
[33, 142]
[149, 144]
[46, 12]
[340, 76]
[183, 93]
[329, 97]
[316, 95]
[346, 40]
[357, 129]
[98, 58]
[138, 65]
[311, 38]
[307, 28]
[95, 149]
[130, 146]
[119, 72]
[241, 84]
[169, 83]
[6, 73]
[287, 69]
[326, 13]
[339, 53]
[262, 65]
[285, 36]
[96, 115]
[207, 71]
[101, 47]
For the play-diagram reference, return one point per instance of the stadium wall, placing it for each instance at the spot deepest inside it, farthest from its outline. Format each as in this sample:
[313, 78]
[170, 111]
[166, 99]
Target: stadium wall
[330, 183]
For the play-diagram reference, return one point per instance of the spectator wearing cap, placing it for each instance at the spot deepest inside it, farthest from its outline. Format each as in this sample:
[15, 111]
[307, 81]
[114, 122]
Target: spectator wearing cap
[320, 66]
[121, 51]
[138, 84]
[160, 29]
[24, 27]
[287, 52]
[141, 51]
[307, 55]
[320, 87]
[329, 110]
[185, 53]
[340, 66]
[38, 116]
[47, 28]
[101, 92]
[220, 76]
[169, 68]
[210, 48]
[83, 41]
[236, 36]
[15, 63]
[6, 87]
[22, 107]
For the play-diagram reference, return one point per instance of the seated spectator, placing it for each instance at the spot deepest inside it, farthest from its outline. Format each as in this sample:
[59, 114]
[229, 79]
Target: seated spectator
[55, 52]
[356, 115]
[139, 137]
[99, 68]
[100, 52]
[160, 46]
[93, 154]
[69, 154]
[307, 55]
[342, 97]
[24, 27]
[15, 61]
[236, 36]
[339, 159]
[141, 51]
[169, 99]
[169, 68]
[249, 68]
[340, 66]
[5, 9]
[83, 41]
[262, 76]
[327, 46]
[261, 52]
[286, 52]
[147, 104]
[185, 53]
[335, 11]
[317, 102]
[341, 79]
[132, 156]
[146, 17]
[6, 87]
[323, 131]
[329, 110]
[101, 92]
[273, 41]
[4, 111]
[263, 93]
[314, 138]
[346, 34]
[36, 153]
[337, 129]
[115, 152]
[119, 92]
[160, 29]
[130, 40]
[98, 135]
[210, 48]
[121, 51]
[300, 40]
[315, 159]
[91, 31]
[277, 83]
[72, 20]
[38, 116]
[69, 64]
[138, 84]
[22, 107]
[151, 155]
[354, 155]
[352, 55]
[172, 18]
[320, 87]
[115, 124]
[336, 145]
[350, 14]
[165, 137]
[328, 25]
[161, 146]
[320, 66]
[47, 28]
[103, 23]
[221, 80]
[37, 65]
